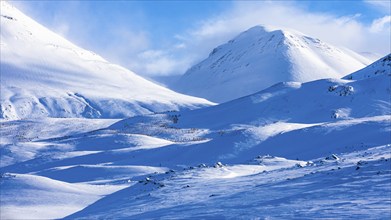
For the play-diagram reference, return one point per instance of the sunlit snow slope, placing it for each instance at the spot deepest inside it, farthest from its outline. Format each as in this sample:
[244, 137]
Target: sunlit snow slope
[294, 150]
[261, 57]
[42, 74]
[313, 150]
[334, 134]
[294, 120]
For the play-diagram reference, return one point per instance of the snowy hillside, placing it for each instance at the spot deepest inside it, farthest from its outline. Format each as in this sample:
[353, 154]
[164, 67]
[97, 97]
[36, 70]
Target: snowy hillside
[380, 67]
[44, 75]
[320, 149]
[261, 57]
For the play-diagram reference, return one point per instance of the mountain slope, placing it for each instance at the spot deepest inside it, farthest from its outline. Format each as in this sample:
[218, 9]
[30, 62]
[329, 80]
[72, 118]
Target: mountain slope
[44, 75]
[380, 67]
[283, 115]
[309, 147]
[261, 57]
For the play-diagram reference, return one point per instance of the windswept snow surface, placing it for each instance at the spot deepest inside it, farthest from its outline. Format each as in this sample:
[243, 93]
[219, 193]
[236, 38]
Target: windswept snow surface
[263, 56]
[26, 196]
[320, 149]
[357, 185]
[44, 75]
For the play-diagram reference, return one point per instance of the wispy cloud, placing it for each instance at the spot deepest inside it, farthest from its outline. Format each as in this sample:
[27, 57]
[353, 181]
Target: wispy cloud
[381, 24]
[161, 62]
[380, 5]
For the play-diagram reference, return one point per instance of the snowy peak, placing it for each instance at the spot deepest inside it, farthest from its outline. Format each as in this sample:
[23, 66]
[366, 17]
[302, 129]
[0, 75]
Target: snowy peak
[248, 39]
[380, 67]
[261, 57]
[45, 75]
[267, 39]
[17, 27]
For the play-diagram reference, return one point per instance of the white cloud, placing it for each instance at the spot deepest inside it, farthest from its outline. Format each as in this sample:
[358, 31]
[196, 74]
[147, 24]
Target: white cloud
[381, 24]
[381, 5]
[62, 29]
[159, 62]
[151, 54]
[180, 46]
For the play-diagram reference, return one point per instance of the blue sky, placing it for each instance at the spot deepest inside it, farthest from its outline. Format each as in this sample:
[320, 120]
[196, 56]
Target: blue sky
[160, 38]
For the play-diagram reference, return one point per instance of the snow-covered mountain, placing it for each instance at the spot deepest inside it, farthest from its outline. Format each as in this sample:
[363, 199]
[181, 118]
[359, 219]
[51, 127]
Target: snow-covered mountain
[261, 57]
[44, 75]
[317, 149]
[289, 113]
[293, 150]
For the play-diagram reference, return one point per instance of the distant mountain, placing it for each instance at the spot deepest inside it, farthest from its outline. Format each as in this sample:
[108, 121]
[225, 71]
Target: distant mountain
[44, 75]
[261, 57]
